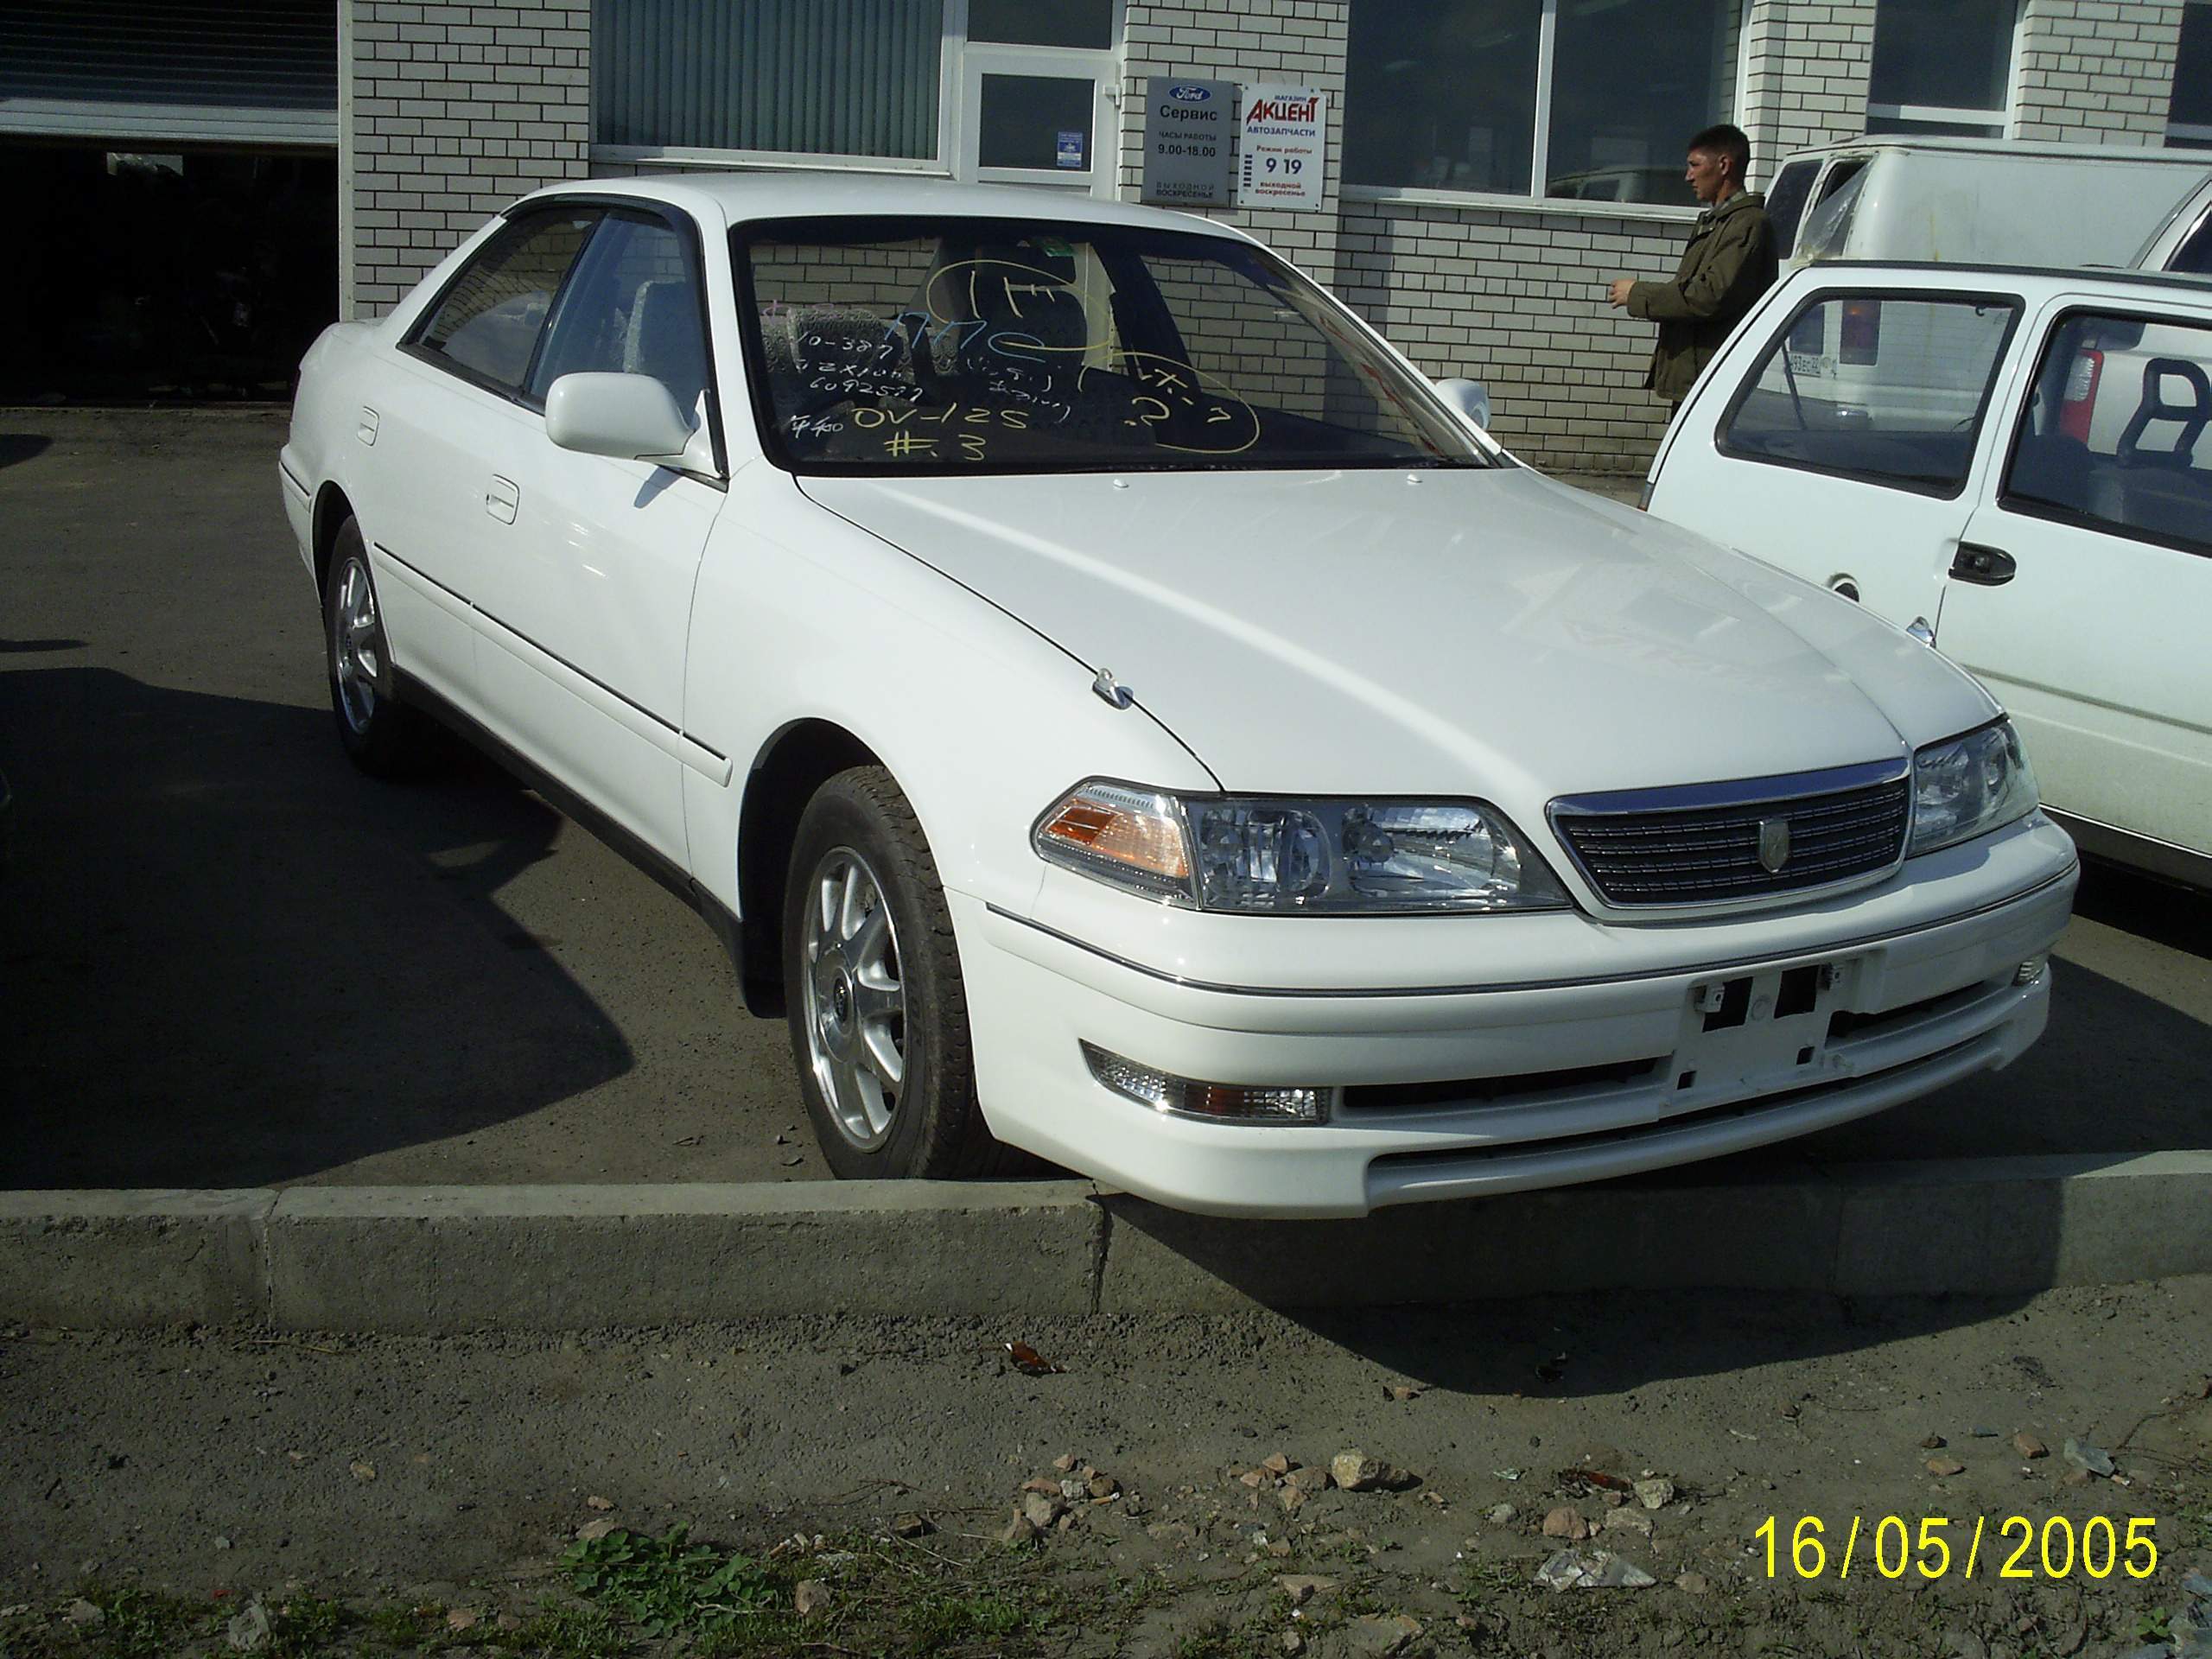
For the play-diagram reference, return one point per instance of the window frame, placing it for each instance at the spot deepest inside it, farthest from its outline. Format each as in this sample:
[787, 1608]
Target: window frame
[2017, 303]
[517, 221]
[954, 120]
[2006, 117]
[604, 204]
[2029, 506]
[1539, 150]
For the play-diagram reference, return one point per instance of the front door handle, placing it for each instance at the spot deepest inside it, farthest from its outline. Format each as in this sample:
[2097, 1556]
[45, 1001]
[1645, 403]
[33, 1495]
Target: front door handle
[1985, 567]
[501, 498]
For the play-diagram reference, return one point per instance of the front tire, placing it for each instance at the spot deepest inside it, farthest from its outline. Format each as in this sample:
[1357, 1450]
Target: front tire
[877, 1010]
[381, 737]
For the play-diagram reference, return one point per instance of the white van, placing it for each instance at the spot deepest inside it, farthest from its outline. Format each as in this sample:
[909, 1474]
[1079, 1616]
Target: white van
[2183, 242]
[1976, 200]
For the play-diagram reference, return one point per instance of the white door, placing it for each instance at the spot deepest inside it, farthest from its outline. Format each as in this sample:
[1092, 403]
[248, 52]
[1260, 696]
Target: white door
[1033, 103]
[2081, 594]
[438, 423]
[587, 611]
[1847, 450]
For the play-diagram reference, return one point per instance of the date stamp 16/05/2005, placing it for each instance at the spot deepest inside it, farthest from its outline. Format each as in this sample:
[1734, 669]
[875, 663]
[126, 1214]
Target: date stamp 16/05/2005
[1935, 1546]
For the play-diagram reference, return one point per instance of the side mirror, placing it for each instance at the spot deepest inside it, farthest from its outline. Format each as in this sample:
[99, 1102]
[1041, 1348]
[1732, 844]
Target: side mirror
[630, 417]
[1470, 397]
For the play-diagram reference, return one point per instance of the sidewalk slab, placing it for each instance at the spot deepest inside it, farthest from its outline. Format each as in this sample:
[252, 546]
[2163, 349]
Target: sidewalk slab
[134, 1259]
[432, 1260]
[439, 1261]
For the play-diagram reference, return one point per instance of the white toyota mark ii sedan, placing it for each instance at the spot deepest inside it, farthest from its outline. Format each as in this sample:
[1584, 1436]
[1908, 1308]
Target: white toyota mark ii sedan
[1113, 706]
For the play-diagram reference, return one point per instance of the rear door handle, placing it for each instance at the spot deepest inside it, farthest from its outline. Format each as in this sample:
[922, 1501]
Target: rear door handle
[1986, 567]
[501, 499]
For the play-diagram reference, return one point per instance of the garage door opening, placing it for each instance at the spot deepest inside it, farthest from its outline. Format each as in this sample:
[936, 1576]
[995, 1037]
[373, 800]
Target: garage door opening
[180, 276]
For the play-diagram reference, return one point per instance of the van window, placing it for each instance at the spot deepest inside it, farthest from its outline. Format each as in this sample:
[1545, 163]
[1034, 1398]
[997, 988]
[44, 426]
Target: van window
[1785, 202]
[1890, 388]
[1831, 221]
[2195, 253]
[2116, 433]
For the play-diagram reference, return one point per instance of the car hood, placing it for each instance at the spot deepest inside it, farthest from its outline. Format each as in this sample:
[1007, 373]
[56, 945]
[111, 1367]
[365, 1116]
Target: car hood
[1445, 632]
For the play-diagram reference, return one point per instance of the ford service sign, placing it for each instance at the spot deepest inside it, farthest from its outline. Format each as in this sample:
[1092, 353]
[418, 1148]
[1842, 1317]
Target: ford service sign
[1186, 129]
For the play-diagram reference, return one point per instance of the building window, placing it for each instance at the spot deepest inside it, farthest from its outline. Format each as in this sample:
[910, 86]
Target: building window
[1942, 68]
[2189, 120]
[1588, 99]
[861, 79]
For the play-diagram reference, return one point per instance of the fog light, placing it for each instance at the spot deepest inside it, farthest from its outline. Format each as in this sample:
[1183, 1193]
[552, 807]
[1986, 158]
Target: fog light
[1186, 1097]
[2030, 971]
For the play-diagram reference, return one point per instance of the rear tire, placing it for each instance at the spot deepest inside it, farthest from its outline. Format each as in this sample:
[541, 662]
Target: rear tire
[877, 1010]
[381, 736]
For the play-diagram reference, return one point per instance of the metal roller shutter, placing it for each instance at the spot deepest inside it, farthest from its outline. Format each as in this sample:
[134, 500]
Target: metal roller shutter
[142, 71]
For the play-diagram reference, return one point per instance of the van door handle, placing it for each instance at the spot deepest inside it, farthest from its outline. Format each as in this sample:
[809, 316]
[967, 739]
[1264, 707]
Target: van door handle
[502, 497]
[1985, 567]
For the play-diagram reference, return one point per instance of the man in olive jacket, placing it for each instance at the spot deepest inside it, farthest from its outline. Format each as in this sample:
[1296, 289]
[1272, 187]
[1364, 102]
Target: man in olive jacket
[1729, 262]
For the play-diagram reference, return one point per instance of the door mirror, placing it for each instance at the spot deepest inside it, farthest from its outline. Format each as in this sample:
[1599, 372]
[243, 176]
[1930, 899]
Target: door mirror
[1470, 397]
[629, 416]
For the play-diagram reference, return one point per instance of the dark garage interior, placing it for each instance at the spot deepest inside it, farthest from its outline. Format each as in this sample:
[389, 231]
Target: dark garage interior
[184, 276]
[173, 168]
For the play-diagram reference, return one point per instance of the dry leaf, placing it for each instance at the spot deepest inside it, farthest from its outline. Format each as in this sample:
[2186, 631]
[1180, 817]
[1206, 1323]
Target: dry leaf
[595, 1502]
[1029, 1361]
[462, 1618]
[363, 1471]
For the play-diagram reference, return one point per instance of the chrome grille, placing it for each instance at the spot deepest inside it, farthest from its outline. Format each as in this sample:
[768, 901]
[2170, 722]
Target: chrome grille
[1700, 844]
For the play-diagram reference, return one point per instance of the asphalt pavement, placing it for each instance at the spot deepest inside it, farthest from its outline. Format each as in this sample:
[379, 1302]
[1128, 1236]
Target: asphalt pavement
[230, 961]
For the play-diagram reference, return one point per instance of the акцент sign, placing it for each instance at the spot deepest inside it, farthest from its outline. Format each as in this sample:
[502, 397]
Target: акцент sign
[1282, 147]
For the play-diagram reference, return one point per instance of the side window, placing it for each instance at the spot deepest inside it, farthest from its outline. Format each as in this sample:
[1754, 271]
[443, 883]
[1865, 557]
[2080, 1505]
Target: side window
[2195, 253]
[1823, 235]
[1785, 203]
[633, 308]
[1890, 388]
[2116, 432]
[490, 319]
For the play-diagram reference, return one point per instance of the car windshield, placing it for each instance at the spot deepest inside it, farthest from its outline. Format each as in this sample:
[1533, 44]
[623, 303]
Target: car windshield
[991, 345]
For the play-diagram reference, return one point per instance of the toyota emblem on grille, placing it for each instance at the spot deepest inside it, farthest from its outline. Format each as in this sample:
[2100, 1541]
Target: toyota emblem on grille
[1774, 844]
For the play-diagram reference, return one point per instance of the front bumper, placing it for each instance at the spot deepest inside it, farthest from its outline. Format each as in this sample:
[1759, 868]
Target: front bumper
[1554, 1067]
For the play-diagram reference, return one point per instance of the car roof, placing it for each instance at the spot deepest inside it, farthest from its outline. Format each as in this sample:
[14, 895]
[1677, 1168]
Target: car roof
[796, 192]
[2008, 147]
[2038, 278]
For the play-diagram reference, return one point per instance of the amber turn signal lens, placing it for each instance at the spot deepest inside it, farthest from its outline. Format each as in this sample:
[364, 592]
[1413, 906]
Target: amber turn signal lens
[1101, 826]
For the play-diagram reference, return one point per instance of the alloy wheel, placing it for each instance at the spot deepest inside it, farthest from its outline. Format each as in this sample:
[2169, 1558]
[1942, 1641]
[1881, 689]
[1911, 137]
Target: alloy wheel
[357, 643]
[855, 1002]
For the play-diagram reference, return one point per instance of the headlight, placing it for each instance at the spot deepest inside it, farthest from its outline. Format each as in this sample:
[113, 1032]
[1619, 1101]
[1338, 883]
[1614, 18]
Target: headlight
[1969, 786]
[1262, 856]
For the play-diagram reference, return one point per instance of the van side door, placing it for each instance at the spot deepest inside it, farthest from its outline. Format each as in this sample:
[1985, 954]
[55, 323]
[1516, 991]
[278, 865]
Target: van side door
[2079, 592]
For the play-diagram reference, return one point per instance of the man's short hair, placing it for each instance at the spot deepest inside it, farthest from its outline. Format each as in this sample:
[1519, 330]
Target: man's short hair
[1726, 140]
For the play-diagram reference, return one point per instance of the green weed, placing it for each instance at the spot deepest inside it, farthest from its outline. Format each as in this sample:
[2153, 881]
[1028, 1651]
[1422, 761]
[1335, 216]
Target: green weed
[668, 1584]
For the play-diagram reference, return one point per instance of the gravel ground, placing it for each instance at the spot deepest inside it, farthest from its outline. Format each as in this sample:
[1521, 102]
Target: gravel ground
[364, 1493]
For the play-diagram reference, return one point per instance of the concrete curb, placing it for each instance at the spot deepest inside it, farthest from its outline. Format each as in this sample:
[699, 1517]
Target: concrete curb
[440, 1260]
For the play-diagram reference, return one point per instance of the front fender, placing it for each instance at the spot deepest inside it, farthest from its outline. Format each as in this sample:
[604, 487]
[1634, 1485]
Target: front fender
[800, 615]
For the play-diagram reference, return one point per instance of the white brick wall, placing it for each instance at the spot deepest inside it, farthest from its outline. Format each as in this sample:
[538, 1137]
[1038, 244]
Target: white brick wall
[455, 110]
[1807, 79]
[2096, 71]
[1292, 42]
[1516, 299]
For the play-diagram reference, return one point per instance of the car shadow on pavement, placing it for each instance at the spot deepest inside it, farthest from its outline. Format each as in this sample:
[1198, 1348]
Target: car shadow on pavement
[231, 962]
